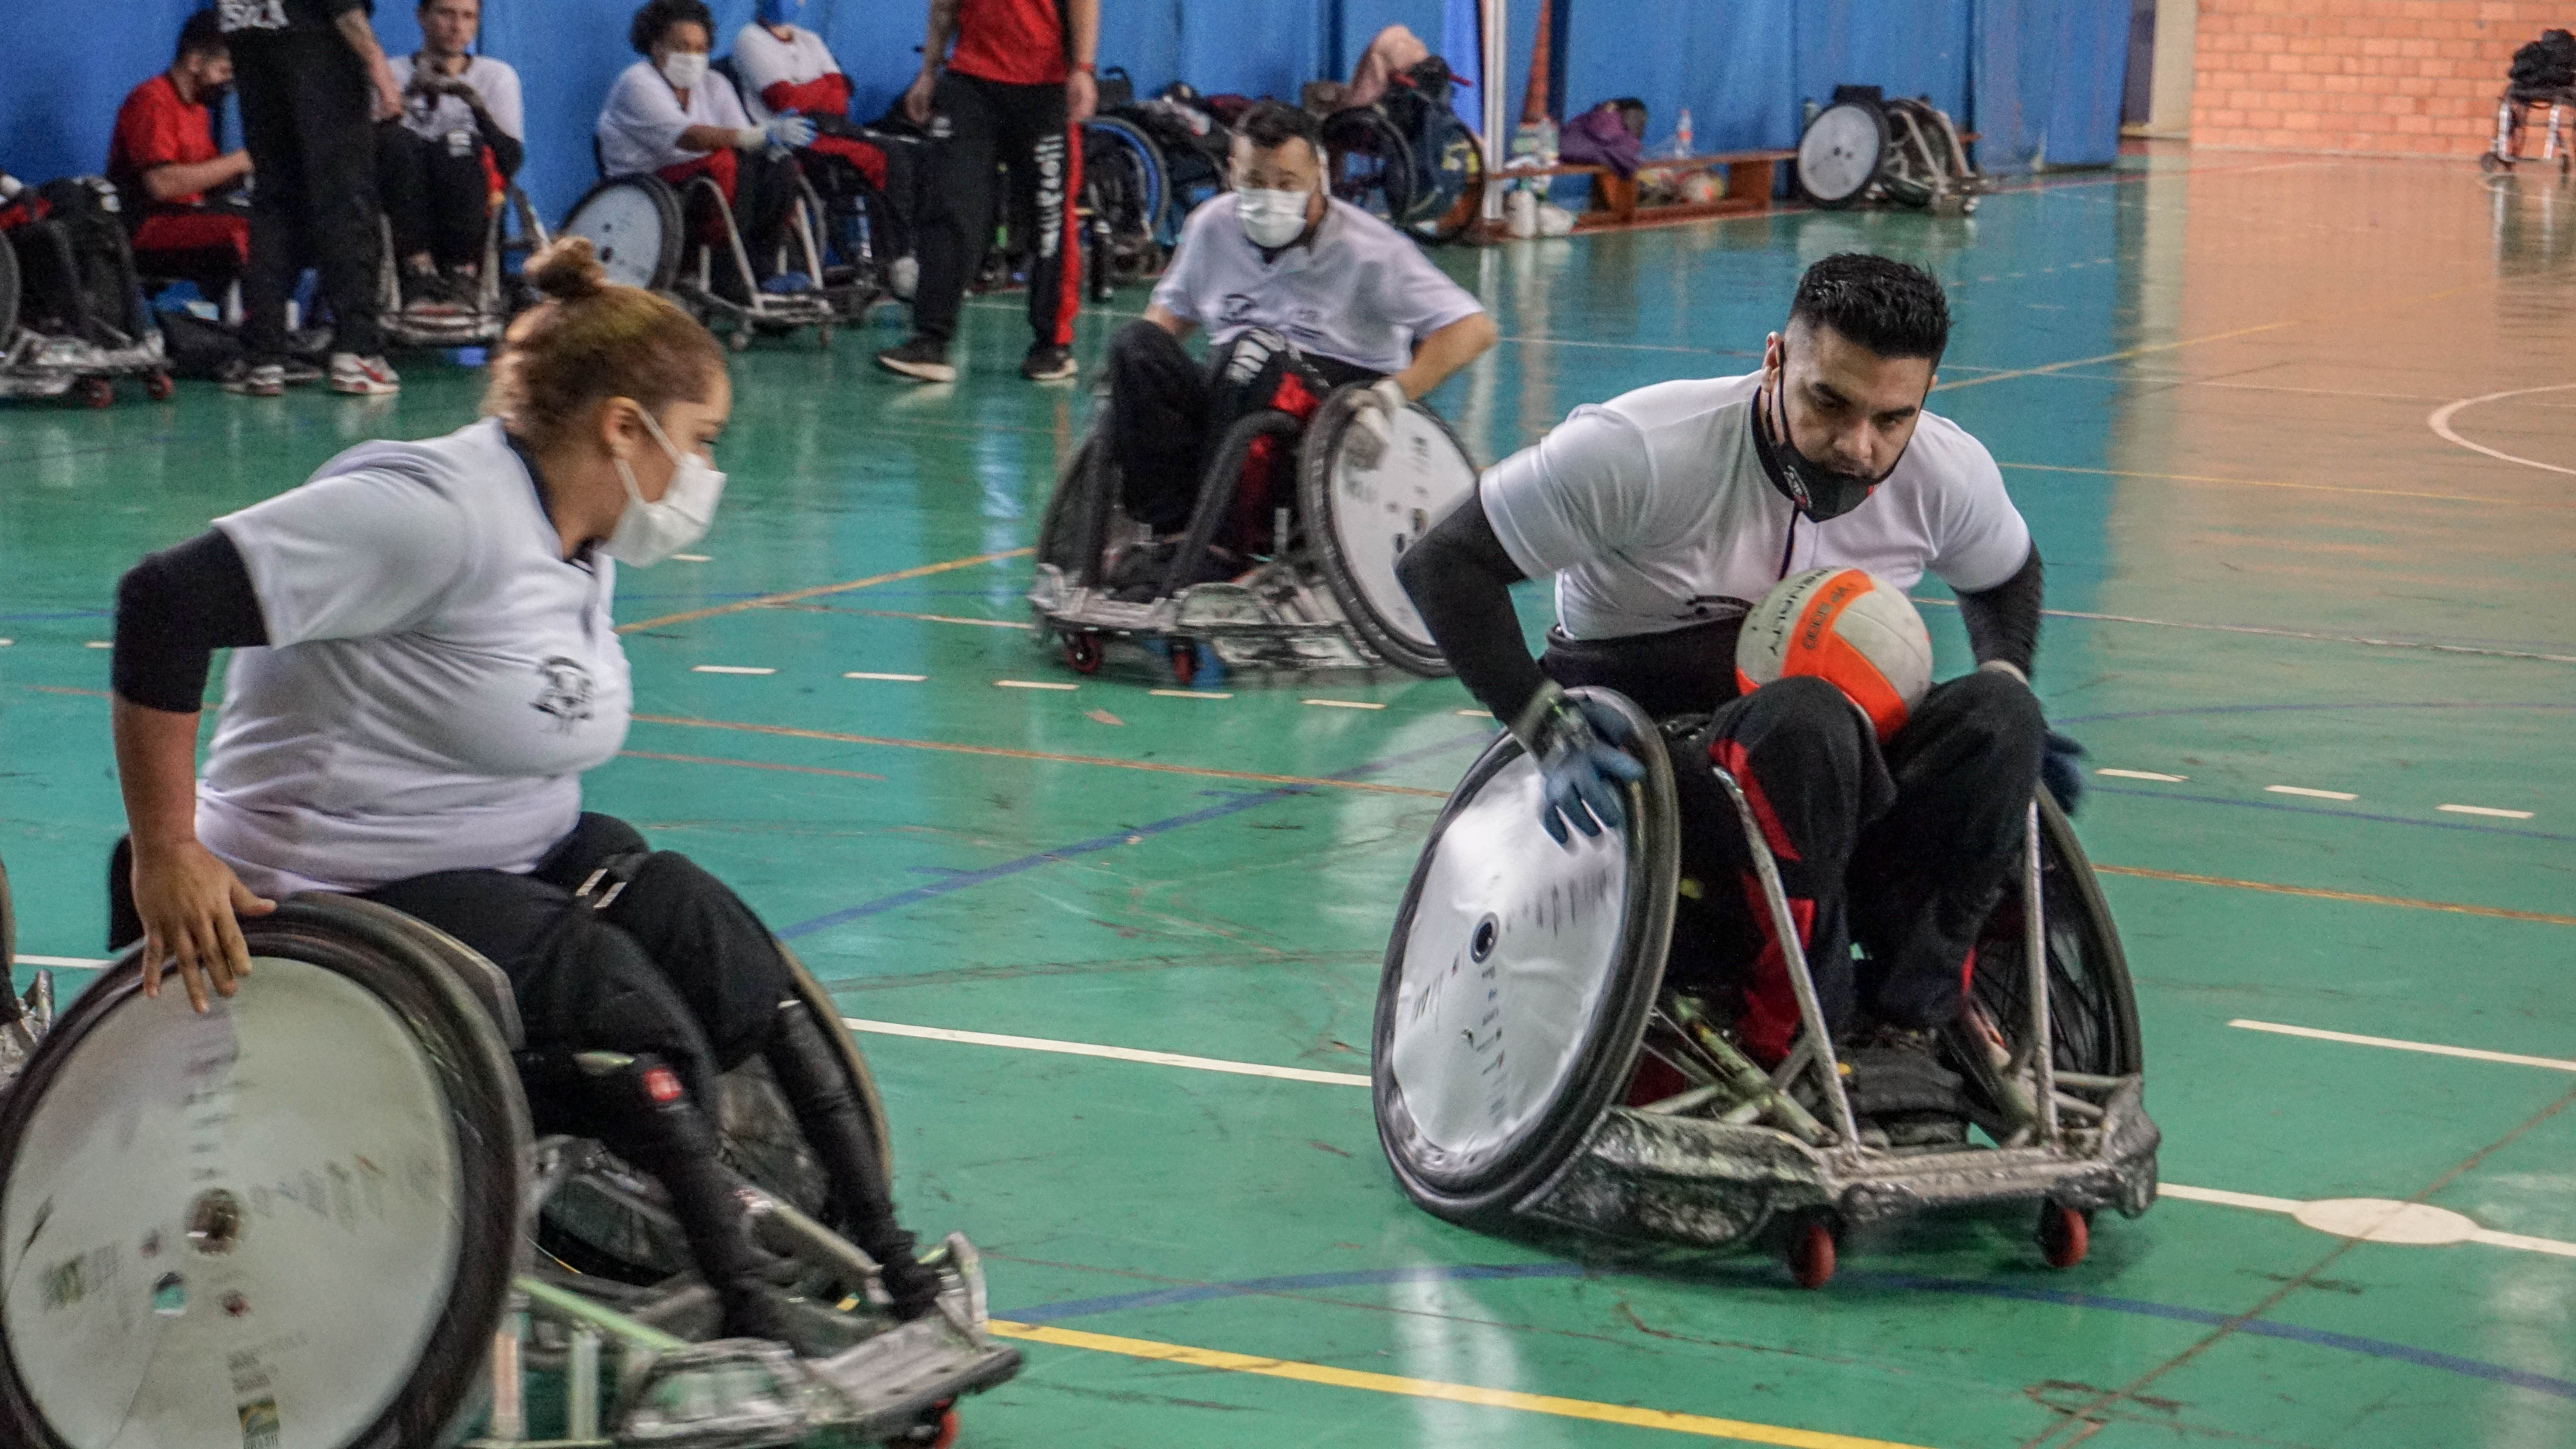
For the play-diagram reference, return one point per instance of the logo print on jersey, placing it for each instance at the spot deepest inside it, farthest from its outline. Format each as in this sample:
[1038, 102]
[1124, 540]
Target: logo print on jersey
[565, 693]
[253, 15]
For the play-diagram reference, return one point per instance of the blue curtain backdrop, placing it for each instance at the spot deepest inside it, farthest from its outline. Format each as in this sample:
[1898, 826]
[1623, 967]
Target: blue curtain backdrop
[2040, 79]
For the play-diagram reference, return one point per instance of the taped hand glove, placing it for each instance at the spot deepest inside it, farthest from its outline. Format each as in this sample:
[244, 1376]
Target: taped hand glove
[2059, 771]
[1373, 422]
[1581, 767]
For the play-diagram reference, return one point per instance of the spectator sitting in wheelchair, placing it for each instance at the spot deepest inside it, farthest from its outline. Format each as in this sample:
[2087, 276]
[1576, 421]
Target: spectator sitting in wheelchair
[181, 197]
[1299, 293]
[787, 69]
[1660, 514]
[670, 116]
[443, 167]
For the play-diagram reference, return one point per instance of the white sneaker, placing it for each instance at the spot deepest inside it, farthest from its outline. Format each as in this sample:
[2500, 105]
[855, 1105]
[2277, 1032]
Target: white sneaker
[362, 376]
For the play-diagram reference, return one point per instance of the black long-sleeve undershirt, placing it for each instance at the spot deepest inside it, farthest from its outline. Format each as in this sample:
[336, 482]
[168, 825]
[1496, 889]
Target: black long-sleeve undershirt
[2003, 622]
[1460, 578]
[173, 611]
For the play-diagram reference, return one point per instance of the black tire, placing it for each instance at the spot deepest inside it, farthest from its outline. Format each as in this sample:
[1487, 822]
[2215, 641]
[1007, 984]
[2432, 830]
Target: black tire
[1066, 523]
[9, 293]
[8, 928]
[1833, 171]
[663, 251]
[464, 1052]
[1483, 1194]
[1369, 164]
[1420, 656]
[1133, 188]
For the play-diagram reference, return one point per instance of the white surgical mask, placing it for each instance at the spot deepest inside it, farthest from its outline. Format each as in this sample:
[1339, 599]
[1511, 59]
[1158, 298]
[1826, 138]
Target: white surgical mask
[648, 533]
[1271, 218]
[684, 69]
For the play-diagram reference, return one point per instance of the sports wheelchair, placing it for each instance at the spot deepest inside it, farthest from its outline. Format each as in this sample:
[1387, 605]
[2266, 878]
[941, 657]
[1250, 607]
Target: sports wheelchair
[2515, 109]
[73, 317]
[1407, 157]
[1325, 594]
[1524, 1016]
[1862, 147]
[1146, 165]
[650, 234]
[498, 297]
[315, 1217]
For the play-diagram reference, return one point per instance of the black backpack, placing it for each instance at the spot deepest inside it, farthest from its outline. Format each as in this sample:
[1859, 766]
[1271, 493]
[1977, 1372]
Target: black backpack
[2546, 64]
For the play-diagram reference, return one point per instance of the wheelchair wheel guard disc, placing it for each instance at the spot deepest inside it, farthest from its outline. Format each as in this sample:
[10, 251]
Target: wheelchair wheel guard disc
[289, 1222]
[1840, 152]
[636, 228]
[1517, 982]
[1363, 519]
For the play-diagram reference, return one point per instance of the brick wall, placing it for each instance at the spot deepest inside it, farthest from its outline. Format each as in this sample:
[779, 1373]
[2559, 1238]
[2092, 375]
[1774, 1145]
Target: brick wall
[2395, 76]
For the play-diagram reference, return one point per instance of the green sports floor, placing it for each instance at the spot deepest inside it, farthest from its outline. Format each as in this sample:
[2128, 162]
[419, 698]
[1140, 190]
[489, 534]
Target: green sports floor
[2297, 440]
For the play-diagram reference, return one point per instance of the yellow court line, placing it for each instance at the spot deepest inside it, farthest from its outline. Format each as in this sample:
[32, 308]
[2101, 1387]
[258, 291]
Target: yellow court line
[2454, 907]
[767, 601]
[1739, 1430]
[2271, 483]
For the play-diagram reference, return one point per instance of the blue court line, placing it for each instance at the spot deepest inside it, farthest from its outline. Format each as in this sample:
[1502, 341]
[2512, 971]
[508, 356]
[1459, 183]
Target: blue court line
[2282, 708]
[2091, 788]
[1234, 804]
[1906, 1282]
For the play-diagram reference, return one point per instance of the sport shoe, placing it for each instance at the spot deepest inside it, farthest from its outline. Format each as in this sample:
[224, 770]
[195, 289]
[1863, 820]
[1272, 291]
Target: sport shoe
[1048, 363]
[362, 376]
[298, 372]
[249, 379]
[923, 358]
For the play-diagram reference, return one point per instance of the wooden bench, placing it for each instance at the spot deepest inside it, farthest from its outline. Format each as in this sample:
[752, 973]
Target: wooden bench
[1751, 178]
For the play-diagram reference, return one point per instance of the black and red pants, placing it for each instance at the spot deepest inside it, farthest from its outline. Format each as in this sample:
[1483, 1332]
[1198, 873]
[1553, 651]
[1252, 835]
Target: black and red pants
[980, 124]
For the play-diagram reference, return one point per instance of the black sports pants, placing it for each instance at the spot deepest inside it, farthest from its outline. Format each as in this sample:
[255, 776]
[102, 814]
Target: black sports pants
[439, 202]
[1022, 127]
[1166, 411]
[305, 108]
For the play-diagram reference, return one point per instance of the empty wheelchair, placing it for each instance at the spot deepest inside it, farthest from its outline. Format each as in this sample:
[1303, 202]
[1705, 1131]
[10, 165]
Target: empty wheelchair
[309, 1219]
[479, 319]
[73, 317]
[1863, 147]
[2517, 111]
[1524, 1006]
[1317, 536]
[677, 240]
[1407, 157]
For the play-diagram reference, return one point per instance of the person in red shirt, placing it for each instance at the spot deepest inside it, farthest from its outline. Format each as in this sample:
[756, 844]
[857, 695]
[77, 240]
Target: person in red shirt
[163, 161]
[1019, 82]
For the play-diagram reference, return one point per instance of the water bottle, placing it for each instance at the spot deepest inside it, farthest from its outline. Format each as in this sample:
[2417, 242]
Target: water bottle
[1682, 135]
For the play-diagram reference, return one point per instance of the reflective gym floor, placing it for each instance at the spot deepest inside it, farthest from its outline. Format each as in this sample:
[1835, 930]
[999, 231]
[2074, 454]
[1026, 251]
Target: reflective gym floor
[2296, 439]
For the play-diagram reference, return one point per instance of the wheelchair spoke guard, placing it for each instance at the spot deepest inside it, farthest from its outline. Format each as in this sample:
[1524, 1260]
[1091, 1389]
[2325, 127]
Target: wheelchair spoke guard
[1518, 981]
[634, 222]
[289, 1222]
[1840, 154]
[1361, 520]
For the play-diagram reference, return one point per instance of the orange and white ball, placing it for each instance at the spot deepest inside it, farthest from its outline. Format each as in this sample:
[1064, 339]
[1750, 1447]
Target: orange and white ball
[1847, 627]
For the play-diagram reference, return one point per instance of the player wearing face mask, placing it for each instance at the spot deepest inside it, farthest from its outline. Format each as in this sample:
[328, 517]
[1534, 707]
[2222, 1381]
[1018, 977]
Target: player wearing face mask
[181, 196]
[1295, 289]
[426, 665]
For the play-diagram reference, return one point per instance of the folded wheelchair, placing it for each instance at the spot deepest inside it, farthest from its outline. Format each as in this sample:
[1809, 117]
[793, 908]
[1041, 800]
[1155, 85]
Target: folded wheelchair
[1408, 158]
[1323, 593]
[73, 317]
[1863, 147]
[314, 1218]
[477, 320]
[674, 240]
[1525, 1007]
[2517, 109]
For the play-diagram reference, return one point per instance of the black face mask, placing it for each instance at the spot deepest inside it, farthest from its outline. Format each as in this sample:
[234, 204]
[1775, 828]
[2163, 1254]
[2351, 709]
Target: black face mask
[1815, 490]
[212, 97]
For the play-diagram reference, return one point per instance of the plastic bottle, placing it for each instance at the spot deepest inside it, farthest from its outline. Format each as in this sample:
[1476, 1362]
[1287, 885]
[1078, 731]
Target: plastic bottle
[1682, 135]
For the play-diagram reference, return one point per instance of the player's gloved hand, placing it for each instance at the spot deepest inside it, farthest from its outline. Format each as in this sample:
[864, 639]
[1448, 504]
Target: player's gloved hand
[2059, 771]
[1576, 743]
[1373, 422]
[790, 131]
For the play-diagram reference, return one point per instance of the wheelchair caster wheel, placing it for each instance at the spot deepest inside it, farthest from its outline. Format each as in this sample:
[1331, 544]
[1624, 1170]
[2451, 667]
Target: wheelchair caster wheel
[1082, 651]
[823, 335]
[96, 392]
[2064, 1234]
[159, 387]
[1185, 661]
[937, 1431]
[1811, 1254]
[739, 339]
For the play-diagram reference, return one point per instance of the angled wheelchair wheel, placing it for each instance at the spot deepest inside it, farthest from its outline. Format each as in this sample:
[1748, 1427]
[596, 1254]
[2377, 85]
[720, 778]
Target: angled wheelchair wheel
[1453, 168]
[1359, 521]
[1124, 170]
[635, 223]
[289, 1222]
[1064, 531]
[1368, 163]
[1518, 981]
[1841, 153]
[9, 292]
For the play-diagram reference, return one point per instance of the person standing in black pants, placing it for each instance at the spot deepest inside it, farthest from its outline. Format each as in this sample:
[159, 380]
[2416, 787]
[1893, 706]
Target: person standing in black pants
[313, 82]
[1015, 93]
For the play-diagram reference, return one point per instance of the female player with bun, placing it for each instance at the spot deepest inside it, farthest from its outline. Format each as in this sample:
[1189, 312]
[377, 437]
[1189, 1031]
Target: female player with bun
[1662, 515]
[426, 665]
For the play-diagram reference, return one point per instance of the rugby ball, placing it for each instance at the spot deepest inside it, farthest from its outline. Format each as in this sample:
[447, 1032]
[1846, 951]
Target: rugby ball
[1847, 627]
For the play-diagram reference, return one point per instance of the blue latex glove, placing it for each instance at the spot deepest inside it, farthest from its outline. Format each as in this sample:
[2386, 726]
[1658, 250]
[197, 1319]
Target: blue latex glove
[1581, 766]
[789, 131]
[2059, 771]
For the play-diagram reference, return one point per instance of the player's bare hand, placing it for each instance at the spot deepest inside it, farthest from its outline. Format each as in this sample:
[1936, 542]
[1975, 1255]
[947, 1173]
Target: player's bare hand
[191, 903]
[916, 97]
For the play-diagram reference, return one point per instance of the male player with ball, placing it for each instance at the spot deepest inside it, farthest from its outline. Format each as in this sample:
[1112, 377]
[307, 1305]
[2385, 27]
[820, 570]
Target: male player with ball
[1663, 514]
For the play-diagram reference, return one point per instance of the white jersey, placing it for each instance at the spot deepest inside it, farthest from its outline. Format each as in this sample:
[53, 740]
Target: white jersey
[763, 60]
[438, 117]
[1653, 512]
[1359, 292]
[437, 676]
[639, 128]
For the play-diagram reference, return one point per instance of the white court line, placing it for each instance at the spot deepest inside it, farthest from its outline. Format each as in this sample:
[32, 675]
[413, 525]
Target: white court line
[71, 963]
[5, 643]
[98, 644]
[2143, 775]
[2311, 794]
[1474, 713]
[1124, 1054]
[2362, 1219]
[1031, 684]
[2224, 1198]
[692, 558]
[729, 669]
[952, 619]
[2440, 422]
[1342, 703]
[894, 678]
[2474, 1054]
[2486, 810]
[1192, 693]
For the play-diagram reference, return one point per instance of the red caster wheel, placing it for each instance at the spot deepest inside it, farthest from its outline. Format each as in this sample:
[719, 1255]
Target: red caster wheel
[1185, 662]
[159, 387]
[1811, 1254]
[937, 1431]
[1082, 651]
[947, 1429]
[96, 392]
[2064, 1234]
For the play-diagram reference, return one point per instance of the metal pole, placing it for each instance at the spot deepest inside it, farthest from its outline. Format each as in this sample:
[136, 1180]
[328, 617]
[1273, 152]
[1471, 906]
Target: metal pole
[1498, 134]
[509, 1424]
[581, 1412]
[2043, 1054]
[1793, 957]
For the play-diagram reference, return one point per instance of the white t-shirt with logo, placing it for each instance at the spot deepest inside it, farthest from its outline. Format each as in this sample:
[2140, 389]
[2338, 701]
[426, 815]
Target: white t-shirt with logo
[437, 117]
[436, 680]
[1360, 292]
[639, 128]
[1653, 512]
[763, 60]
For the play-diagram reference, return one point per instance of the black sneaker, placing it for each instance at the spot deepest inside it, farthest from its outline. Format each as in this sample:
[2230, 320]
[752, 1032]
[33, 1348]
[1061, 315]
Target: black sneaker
[924, 359]
[1047, 363]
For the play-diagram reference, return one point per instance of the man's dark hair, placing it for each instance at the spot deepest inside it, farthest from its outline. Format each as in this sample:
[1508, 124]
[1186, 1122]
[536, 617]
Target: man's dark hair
[1885, 305]
[1269, 125]
[202, 35]
[658, 16]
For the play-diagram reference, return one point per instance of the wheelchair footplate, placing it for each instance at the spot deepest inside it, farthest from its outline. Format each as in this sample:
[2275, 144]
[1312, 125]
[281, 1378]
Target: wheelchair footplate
[1524, 1002]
